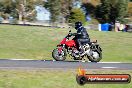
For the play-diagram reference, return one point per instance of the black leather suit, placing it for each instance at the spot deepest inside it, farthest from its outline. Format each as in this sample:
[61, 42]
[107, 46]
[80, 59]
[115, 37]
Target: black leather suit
[81, 37]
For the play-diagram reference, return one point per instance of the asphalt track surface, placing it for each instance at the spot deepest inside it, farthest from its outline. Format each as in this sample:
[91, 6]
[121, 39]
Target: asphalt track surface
[49, 64]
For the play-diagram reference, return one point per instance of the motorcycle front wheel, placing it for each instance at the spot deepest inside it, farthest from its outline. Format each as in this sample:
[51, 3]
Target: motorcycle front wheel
[59, 56]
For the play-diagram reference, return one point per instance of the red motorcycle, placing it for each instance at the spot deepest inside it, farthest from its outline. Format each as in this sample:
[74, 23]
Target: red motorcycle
[91, 50]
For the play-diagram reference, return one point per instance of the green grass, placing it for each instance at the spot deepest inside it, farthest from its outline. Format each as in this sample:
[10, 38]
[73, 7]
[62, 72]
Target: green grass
[38, 42]
[51, 79]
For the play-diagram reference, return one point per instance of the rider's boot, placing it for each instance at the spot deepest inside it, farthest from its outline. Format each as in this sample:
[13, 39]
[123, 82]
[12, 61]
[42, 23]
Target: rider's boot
[81, 51]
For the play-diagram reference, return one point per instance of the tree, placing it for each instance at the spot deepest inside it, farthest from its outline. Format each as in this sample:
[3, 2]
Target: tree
[19, 8]
[59, 9]
[66, 6]
[26, 8]
[130, 9]
[112, 10]
[76, 15]
[122, 9]
[7, 7]
[103, 11]
[54, 8]
[89, 8]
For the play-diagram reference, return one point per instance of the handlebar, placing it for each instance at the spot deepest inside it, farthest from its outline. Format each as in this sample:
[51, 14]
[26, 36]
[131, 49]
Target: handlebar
[69, 34]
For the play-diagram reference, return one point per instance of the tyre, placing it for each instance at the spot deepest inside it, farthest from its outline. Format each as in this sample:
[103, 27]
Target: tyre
[57, 56]
[92, 59]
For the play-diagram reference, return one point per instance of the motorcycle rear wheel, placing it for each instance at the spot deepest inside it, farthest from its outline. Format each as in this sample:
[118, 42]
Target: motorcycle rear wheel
[92, 59]
[57, 56]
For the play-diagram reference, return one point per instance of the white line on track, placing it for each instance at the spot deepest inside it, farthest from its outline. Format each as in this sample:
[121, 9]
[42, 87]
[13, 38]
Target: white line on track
[55, 60]
[110, 62]
[109, 67]
[20, 59]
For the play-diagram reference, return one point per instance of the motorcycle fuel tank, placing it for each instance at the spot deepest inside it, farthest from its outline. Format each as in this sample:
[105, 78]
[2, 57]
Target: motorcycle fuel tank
[70, 43]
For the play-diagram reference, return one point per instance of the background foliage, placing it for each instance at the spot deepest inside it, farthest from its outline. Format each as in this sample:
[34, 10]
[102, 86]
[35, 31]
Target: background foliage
[76, 15]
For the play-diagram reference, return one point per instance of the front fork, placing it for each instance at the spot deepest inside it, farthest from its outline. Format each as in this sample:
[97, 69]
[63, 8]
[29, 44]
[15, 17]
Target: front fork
[60, 48]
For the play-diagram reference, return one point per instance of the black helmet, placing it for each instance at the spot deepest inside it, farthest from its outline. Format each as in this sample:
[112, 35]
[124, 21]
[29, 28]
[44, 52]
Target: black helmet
[78, 25]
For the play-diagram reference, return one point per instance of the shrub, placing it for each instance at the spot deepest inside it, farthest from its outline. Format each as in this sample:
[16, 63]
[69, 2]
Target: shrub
[76, 15]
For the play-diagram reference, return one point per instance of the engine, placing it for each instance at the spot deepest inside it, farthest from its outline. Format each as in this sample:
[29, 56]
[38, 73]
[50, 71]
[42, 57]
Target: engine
[73, 52]
[88, 51]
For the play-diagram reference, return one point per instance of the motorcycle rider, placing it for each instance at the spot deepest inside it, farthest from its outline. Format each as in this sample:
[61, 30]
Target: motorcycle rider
[81, 37]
